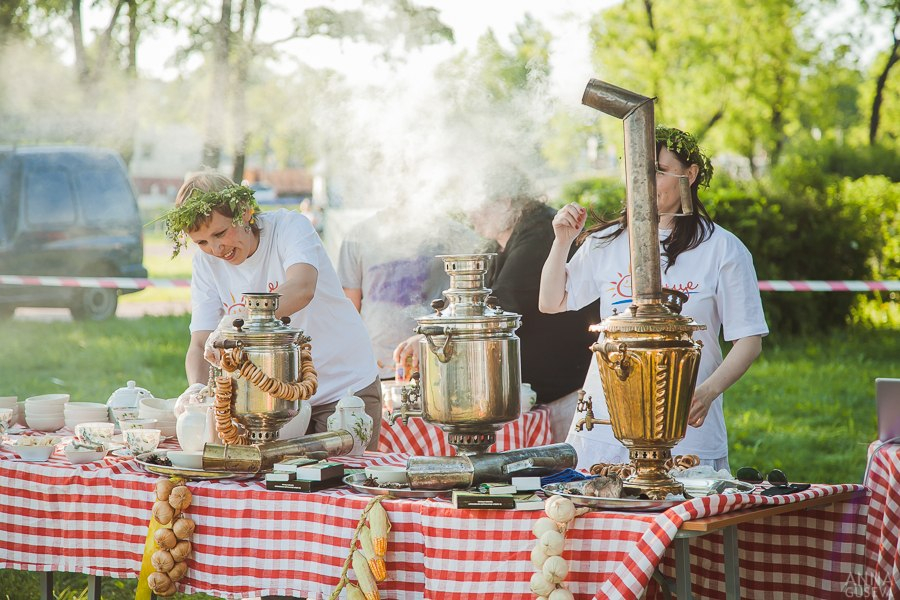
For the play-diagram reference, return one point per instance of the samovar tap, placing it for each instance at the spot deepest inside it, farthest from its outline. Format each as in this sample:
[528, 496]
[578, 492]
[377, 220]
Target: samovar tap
[585, 405]
[410, 402]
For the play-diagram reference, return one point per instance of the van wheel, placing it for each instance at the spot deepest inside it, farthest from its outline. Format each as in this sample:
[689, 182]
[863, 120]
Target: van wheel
[96, 304]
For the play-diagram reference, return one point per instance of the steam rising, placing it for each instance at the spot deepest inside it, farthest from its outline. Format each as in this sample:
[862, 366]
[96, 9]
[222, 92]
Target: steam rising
[429, 143]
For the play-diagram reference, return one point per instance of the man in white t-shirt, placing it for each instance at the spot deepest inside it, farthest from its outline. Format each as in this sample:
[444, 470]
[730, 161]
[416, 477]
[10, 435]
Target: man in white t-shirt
[280, 252]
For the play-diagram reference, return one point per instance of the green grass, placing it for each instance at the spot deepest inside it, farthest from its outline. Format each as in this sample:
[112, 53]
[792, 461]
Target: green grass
[807, 406]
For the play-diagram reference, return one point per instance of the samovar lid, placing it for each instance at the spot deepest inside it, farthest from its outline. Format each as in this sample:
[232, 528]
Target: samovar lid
[262, 327]
[467, 304]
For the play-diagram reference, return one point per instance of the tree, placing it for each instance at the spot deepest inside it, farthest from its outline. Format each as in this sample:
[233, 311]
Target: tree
[231, 41]
[889, 11]
[711, 72]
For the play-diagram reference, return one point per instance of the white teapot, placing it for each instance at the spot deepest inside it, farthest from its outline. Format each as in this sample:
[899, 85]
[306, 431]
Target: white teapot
[128, 397]
[350, 415]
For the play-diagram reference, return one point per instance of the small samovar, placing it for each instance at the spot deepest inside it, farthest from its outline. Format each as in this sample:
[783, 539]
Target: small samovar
[648, 360]
[273, 348]
[470, 372]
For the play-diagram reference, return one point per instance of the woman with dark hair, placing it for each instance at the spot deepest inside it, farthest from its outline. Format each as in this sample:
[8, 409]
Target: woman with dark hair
[697, 257]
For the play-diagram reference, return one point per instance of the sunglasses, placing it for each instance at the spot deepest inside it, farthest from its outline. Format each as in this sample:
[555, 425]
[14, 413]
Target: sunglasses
[751, 475]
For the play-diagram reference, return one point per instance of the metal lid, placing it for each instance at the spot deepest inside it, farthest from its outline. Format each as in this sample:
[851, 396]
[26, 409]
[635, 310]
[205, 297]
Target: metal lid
[467, 305]
[262, 327]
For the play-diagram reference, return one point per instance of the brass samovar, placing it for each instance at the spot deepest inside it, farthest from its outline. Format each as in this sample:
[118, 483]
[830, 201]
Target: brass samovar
[648, 359]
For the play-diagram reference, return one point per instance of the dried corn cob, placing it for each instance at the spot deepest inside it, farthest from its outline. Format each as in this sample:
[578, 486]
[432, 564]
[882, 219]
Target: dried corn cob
[380, 525]
[376, 563]
[364, 576]
[354, 593]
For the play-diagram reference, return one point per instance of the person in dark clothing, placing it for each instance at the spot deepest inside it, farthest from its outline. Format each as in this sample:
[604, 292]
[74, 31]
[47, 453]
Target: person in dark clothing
[555, 351]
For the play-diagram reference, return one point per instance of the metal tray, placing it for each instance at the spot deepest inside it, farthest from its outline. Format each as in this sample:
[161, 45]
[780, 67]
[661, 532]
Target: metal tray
[694, 488]
[355, 481]
[187, 473]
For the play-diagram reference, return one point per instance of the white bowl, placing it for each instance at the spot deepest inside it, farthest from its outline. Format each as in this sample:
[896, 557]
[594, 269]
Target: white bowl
[85, 407]
[44, 409]
[51, 423]
[80, 456]
[156, 408]
[186, 460]
[58, 399]
[36, 453]
[387, 474]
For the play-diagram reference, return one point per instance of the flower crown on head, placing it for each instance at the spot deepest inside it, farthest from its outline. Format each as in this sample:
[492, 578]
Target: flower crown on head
[197, 207]
[685, 146]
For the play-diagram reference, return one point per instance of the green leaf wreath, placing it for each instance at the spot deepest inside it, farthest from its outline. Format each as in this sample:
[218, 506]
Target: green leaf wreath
[685, 146]
[199, 205]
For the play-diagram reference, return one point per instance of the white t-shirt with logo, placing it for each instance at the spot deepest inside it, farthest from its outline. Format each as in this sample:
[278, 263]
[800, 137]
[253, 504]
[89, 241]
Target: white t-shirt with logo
[723, 294]
[341, 350]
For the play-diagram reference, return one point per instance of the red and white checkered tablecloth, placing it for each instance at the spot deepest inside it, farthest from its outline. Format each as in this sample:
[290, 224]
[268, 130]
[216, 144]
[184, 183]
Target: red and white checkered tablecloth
[883, 522]
[419, 438]
[92, 519]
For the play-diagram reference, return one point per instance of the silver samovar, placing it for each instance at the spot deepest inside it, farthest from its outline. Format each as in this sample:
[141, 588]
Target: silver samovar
[272, 346]
[265, 370]
[470, 374]
[469, 385]
[648, 360]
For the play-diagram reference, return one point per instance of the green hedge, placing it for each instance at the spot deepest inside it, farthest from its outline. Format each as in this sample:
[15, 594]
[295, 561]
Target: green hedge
[848, 230]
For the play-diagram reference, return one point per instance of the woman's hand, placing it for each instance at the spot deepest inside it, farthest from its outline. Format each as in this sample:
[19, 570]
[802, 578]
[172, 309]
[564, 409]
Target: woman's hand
[700, 403]
[568, 222]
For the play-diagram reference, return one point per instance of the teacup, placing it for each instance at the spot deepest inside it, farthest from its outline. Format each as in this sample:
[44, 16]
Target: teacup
[97, 434]
[124, 414]
[7, 416]
[140, 441]
[126, 424]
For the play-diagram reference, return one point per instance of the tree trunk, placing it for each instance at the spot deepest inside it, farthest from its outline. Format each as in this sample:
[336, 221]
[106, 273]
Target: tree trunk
[133, 33]
[212, 147]
[243, 56]
[893, 57]
[105, 42]
[81, 66]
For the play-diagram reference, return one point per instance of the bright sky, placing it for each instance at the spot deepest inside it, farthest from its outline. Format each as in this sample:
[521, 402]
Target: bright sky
[469, 19]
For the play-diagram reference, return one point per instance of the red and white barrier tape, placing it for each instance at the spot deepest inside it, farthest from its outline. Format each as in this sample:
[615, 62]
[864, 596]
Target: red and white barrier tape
[775, 285]
[93, 282]
[772, 285]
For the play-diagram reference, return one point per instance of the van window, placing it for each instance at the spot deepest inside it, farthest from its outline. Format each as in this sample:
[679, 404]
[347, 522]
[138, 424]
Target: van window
[105, 195]
[48, 197]
[7, 207]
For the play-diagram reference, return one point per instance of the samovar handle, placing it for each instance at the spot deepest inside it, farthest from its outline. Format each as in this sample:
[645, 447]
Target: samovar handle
[444, 352]
[620, 365]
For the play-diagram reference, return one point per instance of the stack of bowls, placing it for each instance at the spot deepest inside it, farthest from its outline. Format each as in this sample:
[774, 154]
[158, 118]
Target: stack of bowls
[13, 403]
[160, 409]
[46, 412]
[84, 412]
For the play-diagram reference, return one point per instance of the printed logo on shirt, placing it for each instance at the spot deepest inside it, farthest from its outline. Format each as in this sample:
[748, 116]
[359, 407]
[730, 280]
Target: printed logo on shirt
[230, 309]
[621, 288]
[400, 282]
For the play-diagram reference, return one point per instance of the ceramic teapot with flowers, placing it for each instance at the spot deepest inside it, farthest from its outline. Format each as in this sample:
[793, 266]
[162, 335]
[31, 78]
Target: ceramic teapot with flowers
[350, 415]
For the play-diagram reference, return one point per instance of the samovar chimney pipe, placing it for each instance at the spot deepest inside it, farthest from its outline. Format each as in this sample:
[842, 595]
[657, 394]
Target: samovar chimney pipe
[636, 112]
